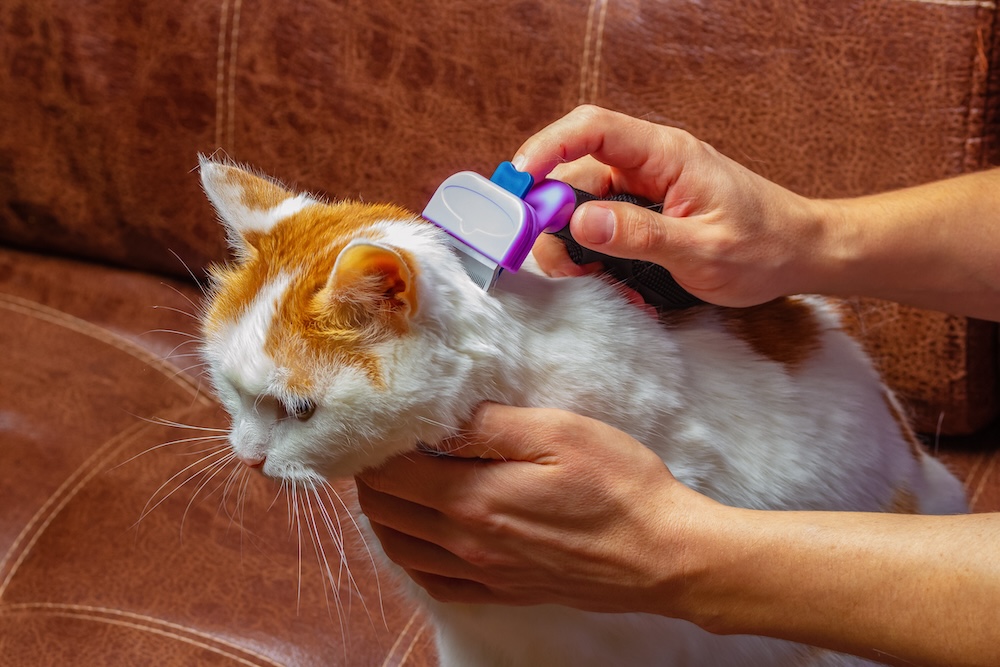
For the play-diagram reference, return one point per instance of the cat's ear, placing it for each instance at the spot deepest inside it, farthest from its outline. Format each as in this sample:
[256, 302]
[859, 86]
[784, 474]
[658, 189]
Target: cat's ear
[373, 280]
[249, 205]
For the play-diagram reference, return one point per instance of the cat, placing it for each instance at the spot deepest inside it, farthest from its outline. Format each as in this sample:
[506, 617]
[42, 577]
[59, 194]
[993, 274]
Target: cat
[343, 334]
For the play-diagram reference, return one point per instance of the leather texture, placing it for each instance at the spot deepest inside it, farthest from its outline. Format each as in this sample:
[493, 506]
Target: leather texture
[108, 104]
[104, 108]
[107, 558]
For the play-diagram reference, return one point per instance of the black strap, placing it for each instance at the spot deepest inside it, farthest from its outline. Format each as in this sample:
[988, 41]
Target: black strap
[653, 282]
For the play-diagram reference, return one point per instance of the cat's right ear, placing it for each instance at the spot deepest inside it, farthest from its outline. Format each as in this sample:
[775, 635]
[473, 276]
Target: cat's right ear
[249, 205]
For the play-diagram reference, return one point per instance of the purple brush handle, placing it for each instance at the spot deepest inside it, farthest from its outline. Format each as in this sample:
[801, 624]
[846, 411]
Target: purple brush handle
[552, 204]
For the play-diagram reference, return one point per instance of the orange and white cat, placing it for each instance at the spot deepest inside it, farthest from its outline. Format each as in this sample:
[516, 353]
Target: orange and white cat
[346, 333]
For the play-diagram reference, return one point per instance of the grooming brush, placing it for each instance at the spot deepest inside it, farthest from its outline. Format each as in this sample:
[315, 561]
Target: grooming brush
[493, 223]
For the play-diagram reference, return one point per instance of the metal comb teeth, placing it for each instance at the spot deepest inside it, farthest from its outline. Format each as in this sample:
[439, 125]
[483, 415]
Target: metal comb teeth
[482, 270]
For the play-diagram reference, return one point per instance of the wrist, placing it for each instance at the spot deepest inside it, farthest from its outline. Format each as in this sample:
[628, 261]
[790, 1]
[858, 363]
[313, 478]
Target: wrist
[832, 250]
[694, 533]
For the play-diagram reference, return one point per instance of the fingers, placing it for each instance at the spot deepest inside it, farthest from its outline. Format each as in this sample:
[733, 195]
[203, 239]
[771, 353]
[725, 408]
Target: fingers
[625, 230]
[495, 433]
[587, 174]
[429, 480]
[445, 576]
[417, 555]
[416, 537]
[453, 590]
[508, 434]
[587, 130]
[622, 143]
[550, 253]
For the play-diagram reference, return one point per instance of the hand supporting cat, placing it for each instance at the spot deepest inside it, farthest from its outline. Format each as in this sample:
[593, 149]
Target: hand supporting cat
[567, 493]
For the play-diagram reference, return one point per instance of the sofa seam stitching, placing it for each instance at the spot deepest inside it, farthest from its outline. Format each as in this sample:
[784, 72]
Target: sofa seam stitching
[155, 625]
[40, 311]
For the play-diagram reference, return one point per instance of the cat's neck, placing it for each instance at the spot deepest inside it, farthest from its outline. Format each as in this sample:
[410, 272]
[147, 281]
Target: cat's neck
[550, 337]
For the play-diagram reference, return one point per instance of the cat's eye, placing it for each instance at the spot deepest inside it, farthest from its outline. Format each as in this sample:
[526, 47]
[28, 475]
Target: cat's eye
[301, 408]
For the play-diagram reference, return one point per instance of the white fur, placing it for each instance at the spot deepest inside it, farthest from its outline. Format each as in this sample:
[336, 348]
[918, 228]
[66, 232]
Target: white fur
[742, 429]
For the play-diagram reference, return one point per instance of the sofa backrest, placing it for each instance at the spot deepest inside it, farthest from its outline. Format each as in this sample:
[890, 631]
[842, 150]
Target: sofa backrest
[105, 105]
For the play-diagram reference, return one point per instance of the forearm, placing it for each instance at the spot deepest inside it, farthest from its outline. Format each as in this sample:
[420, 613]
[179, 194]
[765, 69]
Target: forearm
[935, 246]
[897, 588]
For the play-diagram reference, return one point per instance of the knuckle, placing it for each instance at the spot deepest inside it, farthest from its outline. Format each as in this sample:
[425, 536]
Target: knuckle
[477, 518]
[644, 233]
[439, 589]
[368, 500]
[373, 478]
[588, 112]
[440, 593]
[477, 556]
[555, 424]
[551, 427]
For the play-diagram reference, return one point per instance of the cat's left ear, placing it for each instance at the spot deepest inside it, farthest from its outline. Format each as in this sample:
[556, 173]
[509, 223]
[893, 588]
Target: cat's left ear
[249, 205]
[377, 279]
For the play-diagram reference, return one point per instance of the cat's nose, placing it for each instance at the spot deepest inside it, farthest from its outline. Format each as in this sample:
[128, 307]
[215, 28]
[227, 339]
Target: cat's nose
[253, 461]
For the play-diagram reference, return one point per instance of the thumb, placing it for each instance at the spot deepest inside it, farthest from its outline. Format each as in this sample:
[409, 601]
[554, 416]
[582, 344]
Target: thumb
[625, 230]
[502, 433]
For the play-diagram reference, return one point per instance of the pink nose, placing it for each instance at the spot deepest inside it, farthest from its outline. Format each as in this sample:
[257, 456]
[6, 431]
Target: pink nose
[253, 461]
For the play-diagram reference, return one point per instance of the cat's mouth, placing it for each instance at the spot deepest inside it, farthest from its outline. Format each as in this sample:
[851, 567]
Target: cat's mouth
[344, 464]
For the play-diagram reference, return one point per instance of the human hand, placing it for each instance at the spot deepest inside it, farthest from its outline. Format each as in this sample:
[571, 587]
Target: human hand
[726, 235]
[537, 506]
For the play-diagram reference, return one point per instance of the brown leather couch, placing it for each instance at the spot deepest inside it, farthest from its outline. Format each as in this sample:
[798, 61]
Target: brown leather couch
[108, 556]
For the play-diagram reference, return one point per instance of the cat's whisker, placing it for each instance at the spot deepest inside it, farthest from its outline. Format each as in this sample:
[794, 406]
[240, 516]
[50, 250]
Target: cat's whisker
[186, 355]
[364, 542]
[160, 421]
[278, 494]
[236, 476]
[337, 535]
[193, 316]
[298, 524]
[433, 422]
[172, 354]
[225, 443]
[204, 438]
[184, 296]
[176, 332]
[334, 583]
[197, 282]
[179, 371]
[335, 530]
[241, 499]
[147, 509]
[257, 401]
[287, 488]
[321, 557]
[215, 468]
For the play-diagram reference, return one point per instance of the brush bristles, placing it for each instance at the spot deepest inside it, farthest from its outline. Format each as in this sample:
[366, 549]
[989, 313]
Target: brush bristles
[480, 269]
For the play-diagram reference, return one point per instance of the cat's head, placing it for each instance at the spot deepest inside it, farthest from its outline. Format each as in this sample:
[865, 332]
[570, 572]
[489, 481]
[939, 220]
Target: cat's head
[333, 338]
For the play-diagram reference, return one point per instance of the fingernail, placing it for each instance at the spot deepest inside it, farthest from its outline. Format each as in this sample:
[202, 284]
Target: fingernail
[519, 161]
[598, 225]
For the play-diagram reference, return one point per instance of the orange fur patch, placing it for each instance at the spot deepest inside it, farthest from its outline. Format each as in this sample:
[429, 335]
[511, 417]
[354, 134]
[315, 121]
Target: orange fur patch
[258, 194]
[783, 330]
[306, 246]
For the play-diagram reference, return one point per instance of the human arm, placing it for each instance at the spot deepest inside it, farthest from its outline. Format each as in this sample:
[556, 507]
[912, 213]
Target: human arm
[563, 509]
[734, 238]
[901, 589]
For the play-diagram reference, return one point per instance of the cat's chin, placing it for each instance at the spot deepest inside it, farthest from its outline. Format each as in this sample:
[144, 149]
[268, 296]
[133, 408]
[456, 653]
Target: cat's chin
[357, 462]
